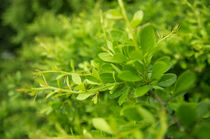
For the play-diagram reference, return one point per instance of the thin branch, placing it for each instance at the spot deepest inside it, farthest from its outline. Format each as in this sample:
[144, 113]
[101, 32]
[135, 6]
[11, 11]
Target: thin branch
[160, 100]
[67, 91]
[164, 107]
[62, 72]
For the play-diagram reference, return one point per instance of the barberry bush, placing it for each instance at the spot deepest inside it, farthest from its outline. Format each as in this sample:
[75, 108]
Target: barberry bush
[120, 73]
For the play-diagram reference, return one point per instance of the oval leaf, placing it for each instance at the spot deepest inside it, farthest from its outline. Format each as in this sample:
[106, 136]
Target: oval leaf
[101, 124]
[123, 96]
[185, 81]
[84, 96]
[167, 80]
[136, 55]
[113, 14]
[107, 77]
[129, 76]
[76, 78]
[158, 69]
[147, 38]
[118, 58]
[146, 115]
[137, 18]
[116, 91]
[140, 91]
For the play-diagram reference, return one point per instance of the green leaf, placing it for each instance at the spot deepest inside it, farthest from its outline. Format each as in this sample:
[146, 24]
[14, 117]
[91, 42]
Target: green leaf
[95, 99]
[158, 69]
[107, 67]
[187, 115]
[50, 94]
[118, 58]
[116, 68]
[146, 115]
[91, 80]
[139, 67]
[203, 108]
[79, 87]
[68, 82]
[110, 46]
[131, 113]
[84, 96]
[136, 55]
[140, 91]
[76, 78]
[138, 134]
[123, 96]
[116, 91]
[137, 18]
[60, 76]
[72, 65]
[167, 80]
[185, 81]
[165, 59]
[201, 131]
[147, 38]
[138, 113]
[113, 14]
[107, 77]
[156, 87]
[101, 124]
[128, 75]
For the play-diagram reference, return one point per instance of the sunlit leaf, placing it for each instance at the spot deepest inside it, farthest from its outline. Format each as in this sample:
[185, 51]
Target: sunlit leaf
[137, 18]
[76, 78]
[101, 124]
[113, 14]
[118, 58]
[84, 96]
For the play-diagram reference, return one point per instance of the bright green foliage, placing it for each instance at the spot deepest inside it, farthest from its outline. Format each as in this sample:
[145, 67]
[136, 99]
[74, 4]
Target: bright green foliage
[111, 74]
[116, 75]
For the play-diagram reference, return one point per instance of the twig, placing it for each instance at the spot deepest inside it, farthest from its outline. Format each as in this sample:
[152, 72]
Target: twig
[159, 100]
[164, 107]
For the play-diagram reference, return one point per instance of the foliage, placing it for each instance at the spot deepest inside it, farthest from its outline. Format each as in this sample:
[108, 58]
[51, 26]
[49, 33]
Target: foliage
[112, 74]
[193, 34]
[20, 13]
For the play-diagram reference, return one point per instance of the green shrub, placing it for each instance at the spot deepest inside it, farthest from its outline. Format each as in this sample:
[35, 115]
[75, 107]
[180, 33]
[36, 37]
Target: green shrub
[124, 91]
[115, 74]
